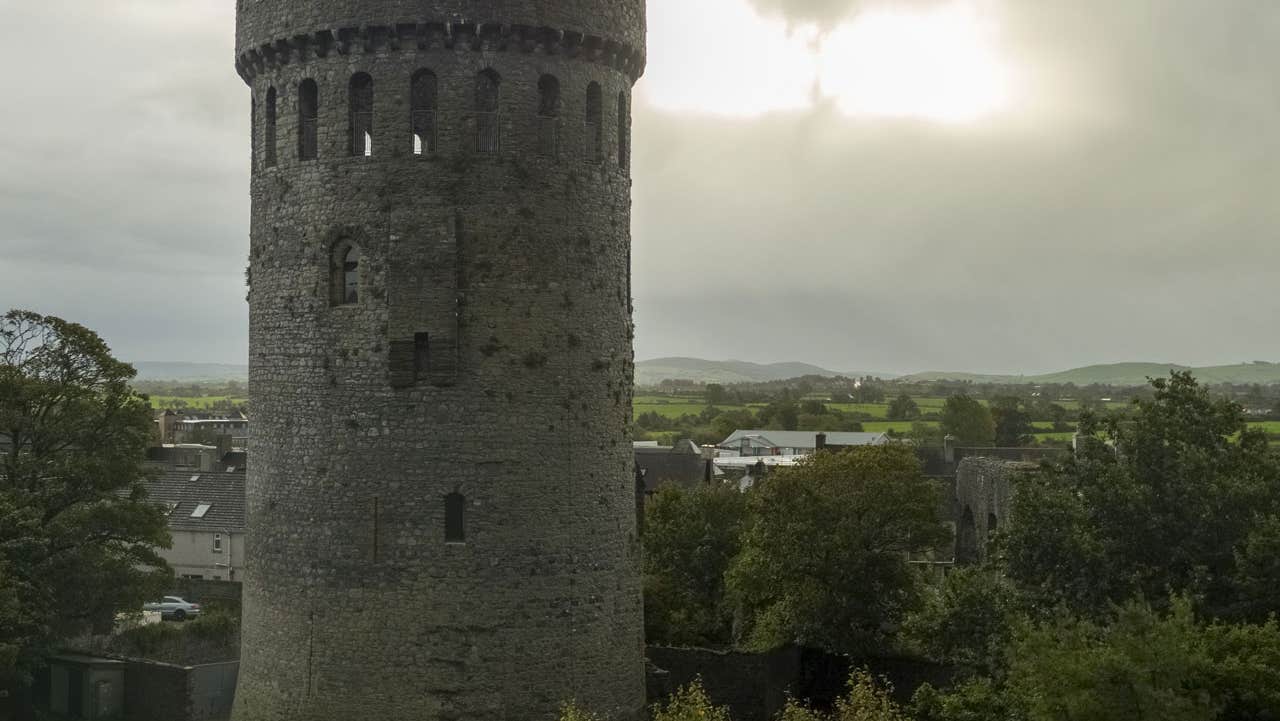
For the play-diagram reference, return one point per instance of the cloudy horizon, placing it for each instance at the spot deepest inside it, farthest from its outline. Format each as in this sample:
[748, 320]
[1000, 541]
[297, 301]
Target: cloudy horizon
[884, 185]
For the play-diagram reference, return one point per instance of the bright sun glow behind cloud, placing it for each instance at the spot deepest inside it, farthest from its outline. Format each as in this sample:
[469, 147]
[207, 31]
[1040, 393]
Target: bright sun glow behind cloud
[940, 62]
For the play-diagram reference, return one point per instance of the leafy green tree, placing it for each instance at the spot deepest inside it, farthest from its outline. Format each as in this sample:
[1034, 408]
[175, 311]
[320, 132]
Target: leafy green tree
[967, 620]
[716, 394]
[690, 703]
[1013, 426]
[1172, 503]
[824, 557]
[77, 535]
[690, 537]
[867, 699]
[903, 408]
[968, 421]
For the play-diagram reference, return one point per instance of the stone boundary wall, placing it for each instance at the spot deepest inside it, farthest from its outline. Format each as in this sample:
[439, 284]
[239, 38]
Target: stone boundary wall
[206, 591]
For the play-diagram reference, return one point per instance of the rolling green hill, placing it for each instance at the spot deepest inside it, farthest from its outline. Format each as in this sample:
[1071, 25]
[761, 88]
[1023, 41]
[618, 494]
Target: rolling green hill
[1123, 374]
[652, 372]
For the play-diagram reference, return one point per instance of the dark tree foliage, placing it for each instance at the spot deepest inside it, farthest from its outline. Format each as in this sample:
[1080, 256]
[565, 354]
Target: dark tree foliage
[77, 535]
[690, 537]
[824, 558]
[903, 408]
[1012, 423]
[968, 421]
[1183, 497]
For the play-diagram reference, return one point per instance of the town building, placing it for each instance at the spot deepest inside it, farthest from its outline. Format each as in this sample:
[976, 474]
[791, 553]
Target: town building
[206, 511]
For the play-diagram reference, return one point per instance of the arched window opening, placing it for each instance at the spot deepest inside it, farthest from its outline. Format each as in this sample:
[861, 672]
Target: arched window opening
[486, 110]
[360, 97]
[595, 128]
[455, 527]
[423, 89]
[624, 132]
[548, 115]
[269, 133]
[345, 278]
[308, 120]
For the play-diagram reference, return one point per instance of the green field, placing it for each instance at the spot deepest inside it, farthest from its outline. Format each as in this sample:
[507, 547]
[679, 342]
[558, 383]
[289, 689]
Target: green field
[195, 401]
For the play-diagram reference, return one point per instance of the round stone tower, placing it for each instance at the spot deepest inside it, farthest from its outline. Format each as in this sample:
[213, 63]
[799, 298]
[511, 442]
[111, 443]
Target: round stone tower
[441, 498]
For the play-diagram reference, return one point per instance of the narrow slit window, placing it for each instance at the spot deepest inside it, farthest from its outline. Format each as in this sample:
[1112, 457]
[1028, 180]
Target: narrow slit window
[269, 132]
[424, 87]
[595, 128]
[421, 354]
[486, 111]
[455, 527]
[308, 120]
[360, 97]
[548, 115]
[624, 133]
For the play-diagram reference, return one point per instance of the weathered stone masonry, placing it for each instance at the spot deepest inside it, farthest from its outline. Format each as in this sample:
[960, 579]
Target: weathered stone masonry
[485, 364]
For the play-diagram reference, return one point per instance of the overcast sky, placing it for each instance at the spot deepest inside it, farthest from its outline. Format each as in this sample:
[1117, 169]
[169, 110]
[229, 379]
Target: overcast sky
[888, 185]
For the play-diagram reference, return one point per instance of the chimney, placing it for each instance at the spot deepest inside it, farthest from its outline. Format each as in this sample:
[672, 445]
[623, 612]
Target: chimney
[820, 443]
[949, 449]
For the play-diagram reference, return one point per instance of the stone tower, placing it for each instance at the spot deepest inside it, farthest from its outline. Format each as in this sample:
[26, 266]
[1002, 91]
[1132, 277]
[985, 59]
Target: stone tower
[441, 502]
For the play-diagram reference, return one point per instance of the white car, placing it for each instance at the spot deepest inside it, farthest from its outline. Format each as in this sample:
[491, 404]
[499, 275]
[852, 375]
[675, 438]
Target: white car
[172, 607]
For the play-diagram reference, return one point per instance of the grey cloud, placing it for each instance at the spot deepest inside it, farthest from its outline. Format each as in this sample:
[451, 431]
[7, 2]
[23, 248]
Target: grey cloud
[1132, 217]
[827, 12]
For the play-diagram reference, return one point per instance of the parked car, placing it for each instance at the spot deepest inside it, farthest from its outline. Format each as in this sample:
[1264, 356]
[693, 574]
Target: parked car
[173, 608]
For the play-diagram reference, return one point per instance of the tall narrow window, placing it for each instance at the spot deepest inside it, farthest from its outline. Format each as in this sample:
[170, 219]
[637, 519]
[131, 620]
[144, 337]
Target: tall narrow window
[548, 115]
[423, 89]
[308, 119]
[360, 98]
[487, 85]
[351, 276]
[624, 132]
[344, 279]
[455, 527]
[421, 354]
[269, 132]
[595, 128]
[253, 132]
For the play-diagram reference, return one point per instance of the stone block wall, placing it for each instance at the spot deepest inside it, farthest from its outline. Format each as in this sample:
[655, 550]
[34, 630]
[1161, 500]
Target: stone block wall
[486, 357]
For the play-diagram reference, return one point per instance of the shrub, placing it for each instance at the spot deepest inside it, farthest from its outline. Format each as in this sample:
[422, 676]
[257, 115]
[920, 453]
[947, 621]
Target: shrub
[691, 703]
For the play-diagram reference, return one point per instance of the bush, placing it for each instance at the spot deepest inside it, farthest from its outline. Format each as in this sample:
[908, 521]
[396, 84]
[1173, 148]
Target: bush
[866, 700]
[691, 703]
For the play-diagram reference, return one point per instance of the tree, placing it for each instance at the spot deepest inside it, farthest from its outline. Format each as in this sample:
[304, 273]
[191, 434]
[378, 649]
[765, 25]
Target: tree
[690, 537]
[716, 394]
[967, 620]
[1012, 424]
[968, 421]
[824, 556]
[77, 535]
[1172, 503]
[903, 408]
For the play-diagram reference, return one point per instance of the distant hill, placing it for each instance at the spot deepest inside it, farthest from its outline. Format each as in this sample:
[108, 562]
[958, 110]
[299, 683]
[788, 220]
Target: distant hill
[1122, 374]
[161, 371]
[653, 372]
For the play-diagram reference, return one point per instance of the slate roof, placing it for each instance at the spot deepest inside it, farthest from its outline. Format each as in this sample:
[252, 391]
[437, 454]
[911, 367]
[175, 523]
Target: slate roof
[223, 491]
[682, 465]
[807, 439]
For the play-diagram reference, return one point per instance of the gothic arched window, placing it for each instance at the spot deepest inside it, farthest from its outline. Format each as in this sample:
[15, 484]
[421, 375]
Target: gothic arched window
[360, 98]
[344, 278]
[269, 132]
[486, 109]
[423, 89]
[548, 115]
[308, 120]
[455, 510]
[595, 128]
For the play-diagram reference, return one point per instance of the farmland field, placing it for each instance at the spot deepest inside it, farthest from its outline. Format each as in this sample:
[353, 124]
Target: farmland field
[194, 401]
